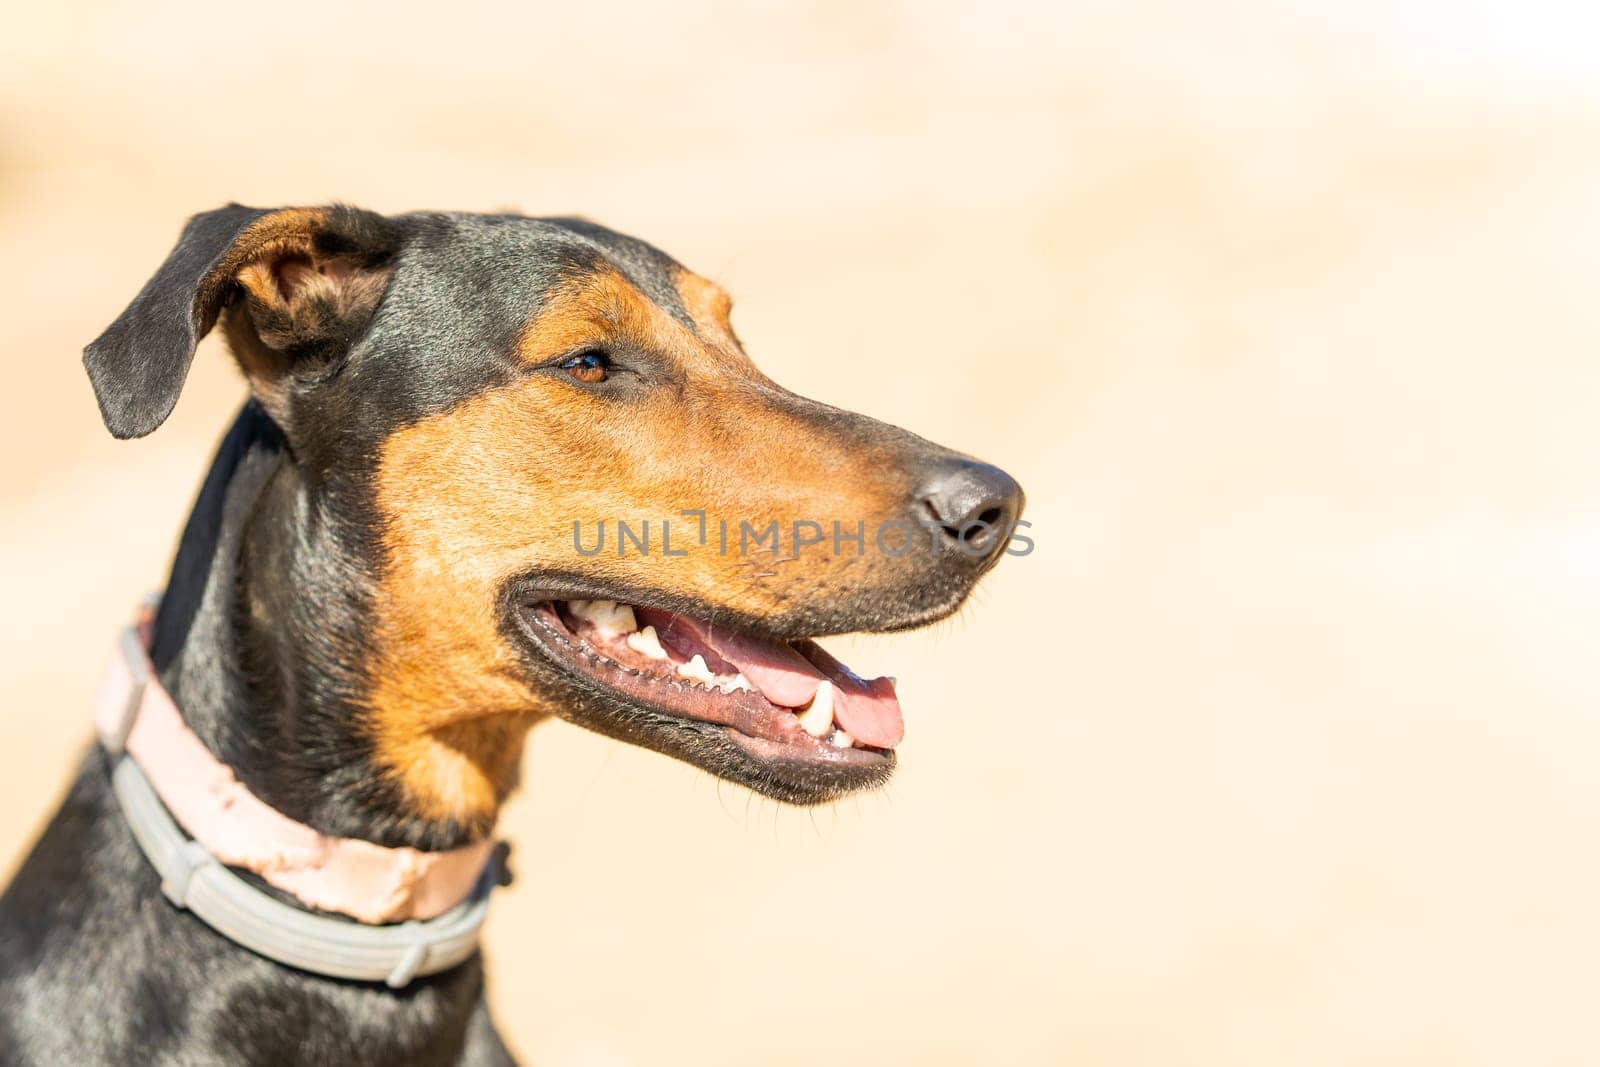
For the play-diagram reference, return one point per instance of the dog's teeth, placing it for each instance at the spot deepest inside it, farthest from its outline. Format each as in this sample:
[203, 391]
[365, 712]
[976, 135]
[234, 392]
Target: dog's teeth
[607, 616]
[817, 720]
[647, 643]
[612, 617]
[696, 668]
[739, 682]
[840, 739]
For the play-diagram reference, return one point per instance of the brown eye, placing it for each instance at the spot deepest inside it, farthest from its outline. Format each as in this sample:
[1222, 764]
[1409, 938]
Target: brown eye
[588, 367]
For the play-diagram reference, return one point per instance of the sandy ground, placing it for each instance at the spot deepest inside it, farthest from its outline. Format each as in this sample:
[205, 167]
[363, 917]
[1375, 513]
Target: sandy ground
[1279, 749]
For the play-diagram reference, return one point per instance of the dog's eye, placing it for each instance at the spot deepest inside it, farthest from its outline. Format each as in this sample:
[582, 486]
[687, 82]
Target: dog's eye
[588, 367]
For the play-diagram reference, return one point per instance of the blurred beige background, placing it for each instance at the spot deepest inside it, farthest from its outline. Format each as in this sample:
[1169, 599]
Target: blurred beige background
[1280, 749]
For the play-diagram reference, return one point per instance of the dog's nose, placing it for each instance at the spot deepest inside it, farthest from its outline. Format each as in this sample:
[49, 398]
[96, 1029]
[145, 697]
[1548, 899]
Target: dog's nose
[973, 505]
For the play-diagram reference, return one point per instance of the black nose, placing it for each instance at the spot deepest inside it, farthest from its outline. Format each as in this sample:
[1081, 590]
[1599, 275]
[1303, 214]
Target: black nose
[973, 505]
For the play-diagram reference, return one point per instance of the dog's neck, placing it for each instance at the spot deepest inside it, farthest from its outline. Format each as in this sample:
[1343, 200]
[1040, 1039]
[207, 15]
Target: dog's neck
[259, 639]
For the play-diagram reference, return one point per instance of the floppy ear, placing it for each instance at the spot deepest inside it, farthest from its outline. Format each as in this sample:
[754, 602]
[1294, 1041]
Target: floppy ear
[299, 286]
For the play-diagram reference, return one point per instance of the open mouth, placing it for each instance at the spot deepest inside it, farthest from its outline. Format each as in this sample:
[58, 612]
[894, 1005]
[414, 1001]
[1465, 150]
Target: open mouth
[780, 702]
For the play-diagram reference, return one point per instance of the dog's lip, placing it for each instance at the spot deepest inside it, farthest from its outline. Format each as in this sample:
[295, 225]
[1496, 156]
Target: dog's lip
[791, 626]
[765, 730]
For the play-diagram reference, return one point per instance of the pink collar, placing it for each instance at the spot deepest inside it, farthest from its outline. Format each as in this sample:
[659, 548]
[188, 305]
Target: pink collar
[134, 714]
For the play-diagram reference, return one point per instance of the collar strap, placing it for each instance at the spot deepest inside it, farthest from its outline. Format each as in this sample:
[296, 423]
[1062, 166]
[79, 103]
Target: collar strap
[193, 819]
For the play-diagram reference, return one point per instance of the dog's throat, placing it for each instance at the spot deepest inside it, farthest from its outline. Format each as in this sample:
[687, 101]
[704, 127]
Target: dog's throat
[459, 773]
[264, 641]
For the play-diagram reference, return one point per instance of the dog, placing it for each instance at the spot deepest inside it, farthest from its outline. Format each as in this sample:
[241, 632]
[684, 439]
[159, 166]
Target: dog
[492, 469]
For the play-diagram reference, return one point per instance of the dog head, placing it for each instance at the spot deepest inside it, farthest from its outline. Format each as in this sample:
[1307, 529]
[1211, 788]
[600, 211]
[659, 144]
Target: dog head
[564, 488]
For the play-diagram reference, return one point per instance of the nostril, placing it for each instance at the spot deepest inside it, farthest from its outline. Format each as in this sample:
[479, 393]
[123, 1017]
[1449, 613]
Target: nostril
[956, 533]
[970, 504]
[976, 531]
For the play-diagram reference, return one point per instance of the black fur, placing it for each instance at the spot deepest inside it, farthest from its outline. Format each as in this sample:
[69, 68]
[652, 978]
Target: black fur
[97, 968]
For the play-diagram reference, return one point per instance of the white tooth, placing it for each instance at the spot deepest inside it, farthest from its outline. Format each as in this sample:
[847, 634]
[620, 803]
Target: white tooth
[817, 720]
[647, 643]
[696, 668]
[740, 682]
[840, 739]
[601, 612]
[607, 615]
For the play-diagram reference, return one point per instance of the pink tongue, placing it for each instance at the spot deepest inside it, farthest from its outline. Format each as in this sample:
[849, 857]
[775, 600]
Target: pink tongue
[868, 710]
[783, 675]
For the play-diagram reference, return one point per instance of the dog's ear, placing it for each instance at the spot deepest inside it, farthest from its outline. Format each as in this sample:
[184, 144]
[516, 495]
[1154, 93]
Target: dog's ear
[298, 286]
